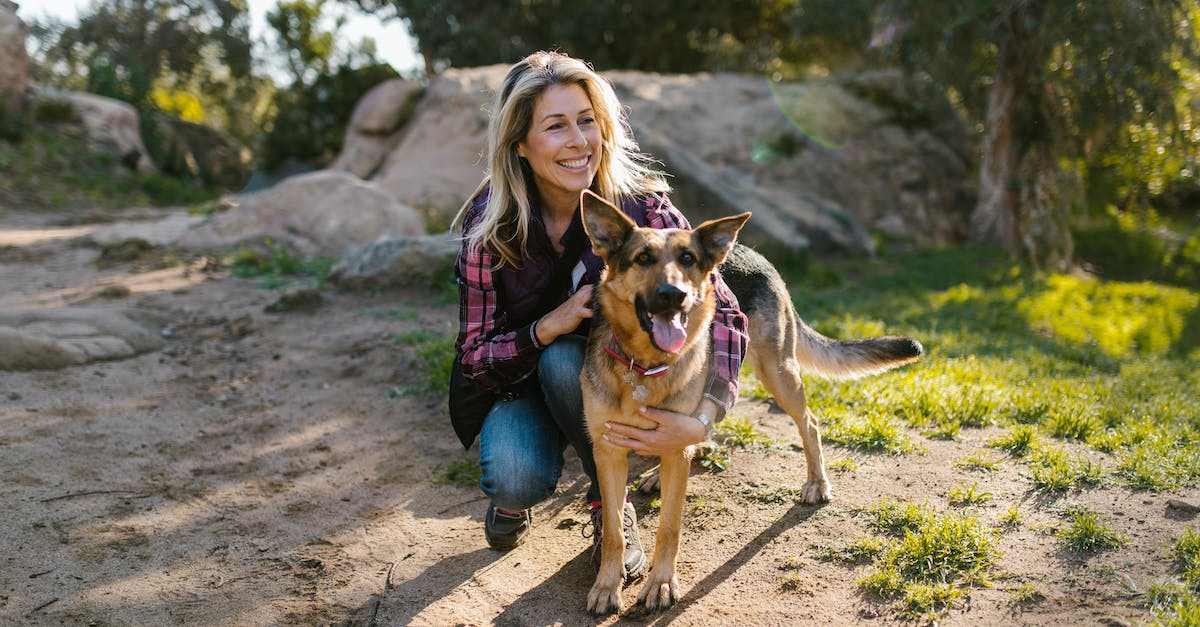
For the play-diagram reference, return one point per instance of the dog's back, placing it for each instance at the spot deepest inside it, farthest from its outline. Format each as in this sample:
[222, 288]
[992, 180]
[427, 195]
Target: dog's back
[773, 322]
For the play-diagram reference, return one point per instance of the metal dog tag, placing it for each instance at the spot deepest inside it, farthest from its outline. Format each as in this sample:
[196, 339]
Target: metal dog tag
[640, 394]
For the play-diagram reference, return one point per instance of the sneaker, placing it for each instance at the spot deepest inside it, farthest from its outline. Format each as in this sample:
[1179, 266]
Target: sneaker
[504, 529]
[635, 557]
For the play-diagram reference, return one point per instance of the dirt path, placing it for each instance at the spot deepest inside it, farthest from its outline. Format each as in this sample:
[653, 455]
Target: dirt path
[256, 471]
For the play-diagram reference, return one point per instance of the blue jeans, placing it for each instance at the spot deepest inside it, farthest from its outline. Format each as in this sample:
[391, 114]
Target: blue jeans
[522, 442]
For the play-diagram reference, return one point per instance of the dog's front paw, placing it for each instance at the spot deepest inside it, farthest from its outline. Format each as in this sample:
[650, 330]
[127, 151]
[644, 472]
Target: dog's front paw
[816, 491]
[660, 593]
[605, 596]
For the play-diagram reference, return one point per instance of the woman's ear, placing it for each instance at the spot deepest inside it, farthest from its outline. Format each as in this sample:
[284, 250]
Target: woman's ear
[521, 150]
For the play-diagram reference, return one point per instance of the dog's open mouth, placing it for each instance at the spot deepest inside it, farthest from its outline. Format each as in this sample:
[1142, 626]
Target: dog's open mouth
[668, 330]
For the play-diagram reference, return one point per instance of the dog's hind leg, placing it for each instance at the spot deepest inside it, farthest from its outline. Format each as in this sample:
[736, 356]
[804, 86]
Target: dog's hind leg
[612, 469]
[780, 373]
[661, 589]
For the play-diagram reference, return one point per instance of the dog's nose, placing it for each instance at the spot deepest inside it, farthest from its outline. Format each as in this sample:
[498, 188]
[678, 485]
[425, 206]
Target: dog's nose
[668, 298]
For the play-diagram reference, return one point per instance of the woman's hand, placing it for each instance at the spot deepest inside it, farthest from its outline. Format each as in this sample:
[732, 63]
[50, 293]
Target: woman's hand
[564, 318]
[674, 432]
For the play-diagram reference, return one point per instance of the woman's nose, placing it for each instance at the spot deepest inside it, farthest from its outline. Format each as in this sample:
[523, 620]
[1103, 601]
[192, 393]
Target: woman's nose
[577, 137]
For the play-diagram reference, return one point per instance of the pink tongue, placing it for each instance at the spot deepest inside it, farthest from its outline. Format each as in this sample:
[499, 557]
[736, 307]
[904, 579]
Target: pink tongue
[669, 333]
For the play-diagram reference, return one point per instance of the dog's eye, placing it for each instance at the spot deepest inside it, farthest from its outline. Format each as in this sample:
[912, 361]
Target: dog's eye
[687, 259]
[644, 259]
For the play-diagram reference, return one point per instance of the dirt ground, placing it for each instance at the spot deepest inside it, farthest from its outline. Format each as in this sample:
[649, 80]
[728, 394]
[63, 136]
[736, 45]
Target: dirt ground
[255, 471]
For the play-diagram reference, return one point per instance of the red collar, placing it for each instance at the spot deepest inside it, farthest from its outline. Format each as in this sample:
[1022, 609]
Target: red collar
[614, 349]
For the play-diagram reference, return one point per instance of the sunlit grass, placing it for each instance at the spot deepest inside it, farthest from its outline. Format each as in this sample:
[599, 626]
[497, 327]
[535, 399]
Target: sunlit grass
[1085, 532]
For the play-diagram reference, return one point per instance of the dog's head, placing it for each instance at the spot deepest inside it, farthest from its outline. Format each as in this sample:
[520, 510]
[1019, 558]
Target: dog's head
[656, 278]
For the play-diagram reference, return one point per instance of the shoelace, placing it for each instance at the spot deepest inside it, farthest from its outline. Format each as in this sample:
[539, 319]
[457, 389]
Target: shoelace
[594, 526]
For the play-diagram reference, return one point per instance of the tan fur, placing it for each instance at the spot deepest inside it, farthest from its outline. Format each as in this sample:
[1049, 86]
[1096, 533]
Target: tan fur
[780, 343]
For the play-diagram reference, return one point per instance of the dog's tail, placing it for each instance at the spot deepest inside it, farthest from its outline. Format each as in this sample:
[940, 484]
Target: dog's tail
[851, 359]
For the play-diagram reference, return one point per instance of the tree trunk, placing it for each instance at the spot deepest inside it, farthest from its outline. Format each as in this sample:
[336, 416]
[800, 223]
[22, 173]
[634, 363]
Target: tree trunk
[1020, 204]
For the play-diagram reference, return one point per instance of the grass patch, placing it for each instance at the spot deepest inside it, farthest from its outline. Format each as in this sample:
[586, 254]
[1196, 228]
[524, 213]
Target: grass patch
[1017, 441]
[742, 433]
[1053, 471]
[464, 474]
[860, 551]
[842, 465]
[874, 432]
[1085, 533]
[963, 494]
[432, 362]
[276, 266]
[933, 563]
[981, 460]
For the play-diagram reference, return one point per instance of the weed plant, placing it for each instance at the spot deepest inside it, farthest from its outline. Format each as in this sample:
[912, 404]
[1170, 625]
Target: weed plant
[1085, 533]
[740, 432]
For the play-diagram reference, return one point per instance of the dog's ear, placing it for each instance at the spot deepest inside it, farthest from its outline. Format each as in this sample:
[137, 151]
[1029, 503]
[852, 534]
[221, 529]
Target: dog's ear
[717, 237]
[606, 226]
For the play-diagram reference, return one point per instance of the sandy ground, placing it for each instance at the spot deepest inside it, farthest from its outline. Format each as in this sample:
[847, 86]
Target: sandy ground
[256, 471]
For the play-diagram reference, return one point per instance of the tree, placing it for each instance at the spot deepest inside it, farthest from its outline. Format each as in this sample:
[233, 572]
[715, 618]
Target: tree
[1052, 83]
[654, 35]
[146, 52]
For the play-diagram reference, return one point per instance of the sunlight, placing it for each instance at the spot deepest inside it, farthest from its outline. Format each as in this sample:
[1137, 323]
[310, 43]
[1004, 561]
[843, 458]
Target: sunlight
[29, 237]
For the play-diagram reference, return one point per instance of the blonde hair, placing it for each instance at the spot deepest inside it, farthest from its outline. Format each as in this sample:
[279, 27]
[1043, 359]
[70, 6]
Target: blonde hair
[622, 171]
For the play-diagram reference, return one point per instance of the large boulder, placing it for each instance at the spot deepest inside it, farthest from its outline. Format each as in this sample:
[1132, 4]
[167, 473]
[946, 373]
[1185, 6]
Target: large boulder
[14, 59]
[45, 339]
[398, 262]
[110, 125]
[820, 163]
[203, 153]
[325, 212]
[372, 131]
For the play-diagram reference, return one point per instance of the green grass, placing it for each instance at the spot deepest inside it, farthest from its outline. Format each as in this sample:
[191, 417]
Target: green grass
[981, 461]
[968, 495]
[50, 169]
[1085, 533]
[740, 432]
[931, 562]
[276, 266]
[464, 473]
[1053, 471]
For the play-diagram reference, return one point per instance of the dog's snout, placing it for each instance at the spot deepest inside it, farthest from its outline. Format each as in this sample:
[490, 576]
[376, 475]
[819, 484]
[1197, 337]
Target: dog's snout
[668, 297]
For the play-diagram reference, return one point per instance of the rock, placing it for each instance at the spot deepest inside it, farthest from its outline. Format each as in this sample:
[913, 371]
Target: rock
[399, 262]
[111, 126]
[375, 126]
[204, 153]
[438, 162]
[14, 59]
[819, 163]
[322, 213]
[47, 339]
[151, 233]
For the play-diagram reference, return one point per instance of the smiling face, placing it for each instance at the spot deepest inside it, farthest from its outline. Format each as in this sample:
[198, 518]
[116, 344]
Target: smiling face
[563, 145]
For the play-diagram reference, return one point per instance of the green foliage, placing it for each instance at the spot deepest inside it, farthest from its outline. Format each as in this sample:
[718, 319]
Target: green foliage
[872, 433]
[1135, 246]
[275, 263]
[464, 473]
[968, 495]
[928, 567]
[1086, 533]
[1186, 551]
[772, 493]
[742, 433]
[416, 336]
[860, 551]
[979, 460]
[49, 169]
[311, 120]
[1010, 519]
[1052, 471]
[714, 459]
[716, 36]
[1018, 440]
[1026, 593]
[842, 465]
[1162, 462]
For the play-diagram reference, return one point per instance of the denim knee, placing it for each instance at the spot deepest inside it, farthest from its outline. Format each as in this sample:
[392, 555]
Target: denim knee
[520, 453]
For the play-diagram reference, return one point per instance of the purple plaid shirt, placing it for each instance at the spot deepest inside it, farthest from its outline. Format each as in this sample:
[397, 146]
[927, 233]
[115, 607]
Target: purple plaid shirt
[496, 344]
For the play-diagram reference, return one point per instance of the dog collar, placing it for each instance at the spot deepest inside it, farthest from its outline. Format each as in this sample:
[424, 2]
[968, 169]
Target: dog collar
[614, 349]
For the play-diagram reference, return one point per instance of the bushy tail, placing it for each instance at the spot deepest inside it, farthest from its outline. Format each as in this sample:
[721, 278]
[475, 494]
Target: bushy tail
[851, 359]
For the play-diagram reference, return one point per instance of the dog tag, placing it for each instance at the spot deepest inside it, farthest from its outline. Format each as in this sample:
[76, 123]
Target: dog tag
[640, 394]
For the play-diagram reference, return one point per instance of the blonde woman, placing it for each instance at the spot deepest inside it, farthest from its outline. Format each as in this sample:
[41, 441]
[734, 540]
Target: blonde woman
[525, 277]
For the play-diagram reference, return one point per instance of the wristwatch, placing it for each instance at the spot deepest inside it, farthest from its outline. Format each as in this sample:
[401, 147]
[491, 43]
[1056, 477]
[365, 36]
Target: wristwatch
[708, 424]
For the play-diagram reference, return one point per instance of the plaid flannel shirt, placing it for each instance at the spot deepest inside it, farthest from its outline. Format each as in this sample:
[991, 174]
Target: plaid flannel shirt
[497, 356]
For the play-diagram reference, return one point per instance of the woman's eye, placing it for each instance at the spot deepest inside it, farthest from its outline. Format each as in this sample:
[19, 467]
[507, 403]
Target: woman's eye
[586, 121]
[687, 259]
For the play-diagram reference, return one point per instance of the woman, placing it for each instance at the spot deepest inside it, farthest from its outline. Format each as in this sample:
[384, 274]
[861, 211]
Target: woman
[526, 272]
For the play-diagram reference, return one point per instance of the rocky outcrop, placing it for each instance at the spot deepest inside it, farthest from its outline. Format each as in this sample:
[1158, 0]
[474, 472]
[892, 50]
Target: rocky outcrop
[204, 153]
[44, 339]
[374, 125]
[111, 126]
[820, 163]
[326, 213]
[14, 59]
[400, 262]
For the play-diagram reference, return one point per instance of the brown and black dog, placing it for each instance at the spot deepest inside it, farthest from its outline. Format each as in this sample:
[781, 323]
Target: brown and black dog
[655, 303]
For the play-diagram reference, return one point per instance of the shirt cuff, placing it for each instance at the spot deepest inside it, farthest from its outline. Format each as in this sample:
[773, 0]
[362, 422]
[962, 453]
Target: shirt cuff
[724, 394]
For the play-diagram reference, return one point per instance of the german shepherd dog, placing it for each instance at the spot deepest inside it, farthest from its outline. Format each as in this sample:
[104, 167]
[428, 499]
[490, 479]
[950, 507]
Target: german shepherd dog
[655, 301]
